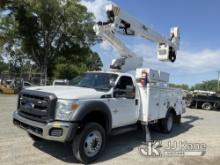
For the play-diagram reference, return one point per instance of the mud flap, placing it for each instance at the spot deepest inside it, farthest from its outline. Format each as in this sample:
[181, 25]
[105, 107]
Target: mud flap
[148, 137]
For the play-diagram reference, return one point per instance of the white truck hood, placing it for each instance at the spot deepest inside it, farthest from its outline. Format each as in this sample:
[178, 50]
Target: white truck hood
[70, 92]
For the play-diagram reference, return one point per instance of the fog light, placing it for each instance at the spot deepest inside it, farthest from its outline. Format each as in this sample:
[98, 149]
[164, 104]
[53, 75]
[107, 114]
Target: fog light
[56, 132]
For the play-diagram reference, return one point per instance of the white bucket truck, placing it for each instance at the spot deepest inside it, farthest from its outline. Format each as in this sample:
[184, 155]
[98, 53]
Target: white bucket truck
[97, 104]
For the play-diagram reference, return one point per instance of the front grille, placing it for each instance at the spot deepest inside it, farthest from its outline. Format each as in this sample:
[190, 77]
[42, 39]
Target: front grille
[36, 105]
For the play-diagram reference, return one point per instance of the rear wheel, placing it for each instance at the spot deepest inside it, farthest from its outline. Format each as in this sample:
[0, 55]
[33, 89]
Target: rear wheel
[217, 105]
[89, 144]
[166, 124]
[206, 106]
[188, 103]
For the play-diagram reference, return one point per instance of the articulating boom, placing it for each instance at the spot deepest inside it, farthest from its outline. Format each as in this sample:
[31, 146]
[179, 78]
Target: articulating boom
[120, 22]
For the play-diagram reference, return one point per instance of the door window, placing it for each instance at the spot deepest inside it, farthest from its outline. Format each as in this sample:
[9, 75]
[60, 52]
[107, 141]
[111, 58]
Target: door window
[125, 88]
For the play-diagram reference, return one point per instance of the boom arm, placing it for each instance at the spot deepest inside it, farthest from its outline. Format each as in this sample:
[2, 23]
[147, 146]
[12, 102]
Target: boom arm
[122, 23]
[129, 60]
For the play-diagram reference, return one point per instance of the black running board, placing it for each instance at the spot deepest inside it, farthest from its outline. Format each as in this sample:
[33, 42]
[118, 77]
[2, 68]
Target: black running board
[124, 129]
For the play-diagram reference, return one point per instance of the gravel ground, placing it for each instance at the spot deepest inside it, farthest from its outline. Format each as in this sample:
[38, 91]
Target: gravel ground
[197, 127]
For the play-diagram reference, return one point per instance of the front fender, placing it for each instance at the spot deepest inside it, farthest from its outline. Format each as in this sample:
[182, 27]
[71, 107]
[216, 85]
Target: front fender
[94, 106]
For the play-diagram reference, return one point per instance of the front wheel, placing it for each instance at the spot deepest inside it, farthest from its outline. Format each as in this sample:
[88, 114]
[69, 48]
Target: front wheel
[89, 144]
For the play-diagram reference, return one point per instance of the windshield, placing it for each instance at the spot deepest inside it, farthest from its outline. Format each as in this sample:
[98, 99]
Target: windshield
[99, 81]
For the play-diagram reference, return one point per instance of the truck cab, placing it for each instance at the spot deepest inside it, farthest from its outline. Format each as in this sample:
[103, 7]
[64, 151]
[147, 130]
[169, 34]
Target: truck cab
[59, 113]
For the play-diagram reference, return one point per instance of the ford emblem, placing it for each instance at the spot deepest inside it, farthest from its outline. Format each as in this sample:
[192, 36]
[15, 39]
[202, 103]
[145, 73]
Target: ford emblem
[29, 105]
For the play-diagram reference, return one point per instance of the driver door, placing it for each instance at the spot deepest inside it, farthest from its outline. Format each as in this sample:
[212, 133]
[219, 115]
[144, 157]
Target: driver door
[124, 104]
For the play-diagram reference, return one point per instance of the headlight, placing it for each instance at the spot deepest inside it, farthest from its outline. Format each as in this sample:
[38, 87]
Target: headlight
[65, 109]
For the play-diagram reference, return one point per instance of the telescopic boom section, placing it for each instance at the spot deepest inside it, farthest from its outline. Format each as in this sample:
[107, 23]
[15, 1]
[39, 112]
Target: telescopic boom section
[122, 23]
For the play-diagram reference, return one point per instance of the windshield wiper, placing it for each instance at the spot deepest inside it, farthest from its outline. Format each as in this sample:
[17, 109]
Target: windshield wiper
[103, 89]
[83, 86]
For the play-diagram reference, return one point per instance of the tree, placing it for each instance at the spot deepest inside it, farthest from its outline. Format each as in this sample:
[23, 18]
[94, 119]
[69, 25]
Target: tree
[3, 65]
[93, 61]
[45, 30]
[67, 70]
[210, 85]
[181, 86]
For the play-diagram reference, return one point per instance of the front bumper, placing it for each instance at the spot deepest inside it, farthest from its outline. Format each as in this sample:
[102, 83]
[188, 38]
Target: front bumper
[43, 130]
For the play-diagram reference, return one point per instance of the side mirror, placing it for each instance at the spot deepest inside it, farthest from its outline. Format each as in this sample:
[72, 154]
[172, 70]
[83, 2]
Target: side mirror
[130, 91]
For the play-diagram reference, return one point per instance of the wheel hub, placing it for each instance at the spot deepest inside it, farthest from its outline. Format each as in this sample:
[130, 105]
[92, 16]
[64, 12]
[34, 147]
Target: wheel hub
[93, 143]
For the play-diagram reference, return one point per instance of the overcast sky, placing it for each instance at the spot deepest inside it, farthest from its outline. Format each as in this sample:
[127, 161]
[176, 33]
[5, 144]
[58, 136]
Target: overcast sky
[199, 55]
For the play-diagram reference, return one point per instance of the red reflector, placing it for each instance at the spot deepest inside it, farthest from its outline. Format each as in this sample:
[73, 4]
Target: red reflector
[142, 82]
[144, 74]
[133, 94]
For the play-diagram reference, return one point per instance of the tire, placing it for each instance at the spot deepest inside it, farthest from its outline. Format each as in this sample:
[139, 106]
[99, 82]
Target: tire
[166, 124]
[91, 134]
[188, 104]
[206, 106]
[217, 106]
[33, 137]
